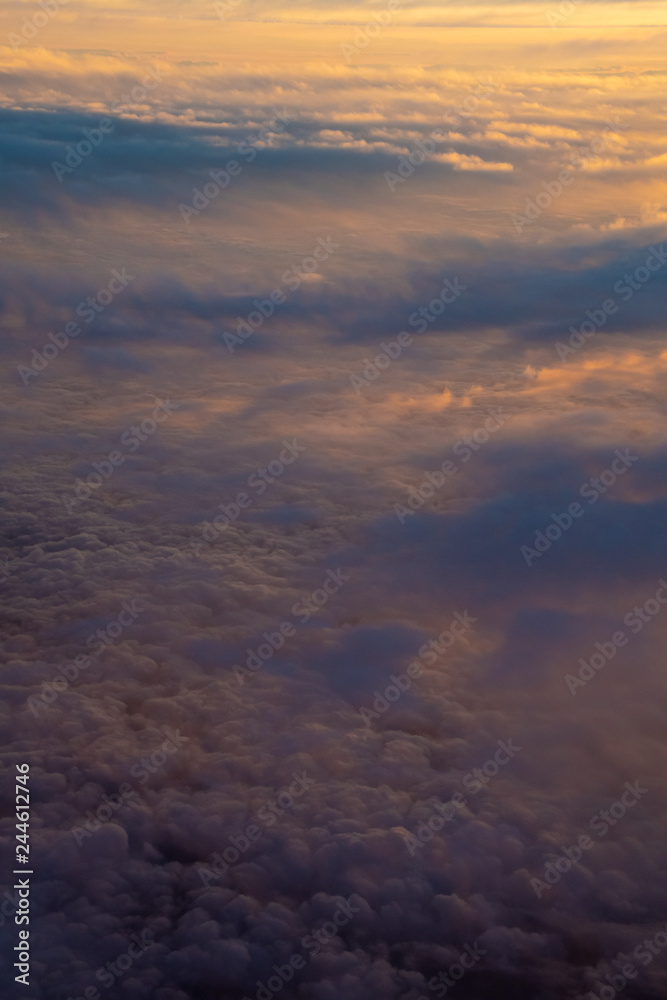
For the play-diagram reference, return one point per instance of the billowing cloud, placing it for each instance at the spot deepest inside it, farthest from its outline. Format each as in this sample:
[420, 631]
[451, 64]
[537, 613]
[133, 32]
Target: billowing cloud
[333, 555]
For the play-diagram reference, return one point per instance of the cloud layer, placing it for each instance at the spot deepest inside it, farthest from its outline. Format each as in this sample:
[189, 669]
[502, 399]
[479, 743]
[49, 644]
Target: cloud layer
[244, 521]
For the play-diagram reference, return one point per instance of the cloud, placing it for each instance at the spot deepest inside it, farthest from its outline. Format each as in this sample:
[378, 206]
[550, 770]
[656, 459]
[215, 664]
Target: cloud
[124, 907]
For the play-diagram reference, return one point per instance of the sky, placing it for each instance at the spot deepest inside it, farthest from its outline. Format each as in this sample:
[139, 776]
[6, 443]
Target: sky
[333, 556]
